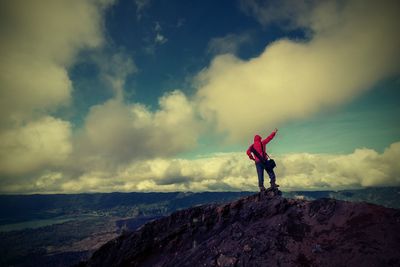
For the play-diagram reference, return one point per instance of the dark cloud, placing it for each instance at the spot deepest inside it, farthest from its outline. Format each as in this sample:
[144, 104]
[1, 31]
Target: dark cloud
[174, 180]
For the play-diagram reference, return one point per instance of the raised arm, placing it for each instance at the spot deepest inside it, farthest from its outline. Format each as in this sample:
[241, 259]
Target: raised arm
[270, 137]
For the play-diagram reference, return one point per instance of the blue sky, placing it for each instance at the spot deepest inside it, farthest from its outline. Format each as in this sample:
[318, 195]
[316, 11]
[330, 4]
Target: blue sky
[125, 95]
[170, 65]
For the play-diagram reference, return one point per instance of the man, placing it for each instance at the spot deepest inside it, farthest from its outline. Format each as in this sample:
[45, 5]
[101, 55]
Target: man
[256, 150]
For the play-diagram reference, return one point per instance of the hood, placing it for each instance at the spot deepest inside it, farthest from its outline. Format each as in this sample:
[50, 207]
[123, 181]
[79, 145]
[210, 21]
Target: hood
[257, 138]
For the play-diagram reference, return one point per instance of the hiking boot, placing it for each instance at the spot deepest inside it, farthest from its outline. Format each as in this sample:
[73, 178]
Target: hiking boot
[262, 189]
[274, 185]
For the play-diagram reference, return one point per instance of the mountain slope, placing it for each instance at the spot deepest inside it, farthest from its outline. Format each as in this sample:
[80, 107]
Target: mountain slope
[262, 230]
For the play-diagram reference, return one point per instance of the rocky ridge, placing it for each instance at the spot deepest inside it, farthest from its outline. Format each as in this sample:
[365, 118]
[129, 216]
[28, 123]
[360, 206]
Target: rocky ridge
[262, 230]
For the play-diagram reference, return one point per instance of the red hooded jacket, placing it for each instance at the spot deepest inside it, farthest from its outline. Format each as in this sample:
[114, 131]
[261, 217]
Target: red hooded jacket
[257, 146]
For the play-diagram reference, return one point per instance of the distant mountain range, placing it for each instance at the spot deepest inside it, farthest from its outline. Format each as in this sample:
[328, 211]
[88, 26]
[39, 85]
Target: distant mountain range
[62, 229]
[17, 208]
[385, 196]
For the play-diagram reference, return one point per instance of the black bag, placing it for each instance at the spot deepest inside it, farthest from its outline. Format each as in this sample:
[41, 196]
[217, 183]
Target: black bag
[271, 163]
[268, 164]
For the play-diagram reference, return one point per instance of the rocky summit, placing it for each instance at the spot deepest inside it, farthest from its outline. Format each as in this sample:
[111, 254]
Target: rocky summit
[262, 230]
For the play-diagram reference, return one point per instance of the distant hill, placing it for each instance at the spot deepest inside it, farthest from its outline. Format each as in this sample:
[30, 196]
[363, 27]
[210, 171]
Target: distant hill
[385, 196]
[262, 231]
[16, 208]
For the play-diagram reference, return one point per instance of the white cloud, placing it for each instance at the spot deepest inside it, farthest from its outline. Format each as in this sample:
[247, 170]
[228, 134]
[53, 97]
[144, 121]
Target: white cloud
[351, 48]
[40, 40]
[227, 172]
[364, 167]
[233, 171]
[38, 144]
[116, 132]
[114, 70]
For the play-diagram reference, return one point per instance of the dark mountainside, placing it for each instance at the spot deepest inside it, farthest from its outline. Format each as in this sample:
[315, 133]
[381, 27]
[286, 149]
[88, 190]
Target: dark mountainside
[78, 224]
[262, 230]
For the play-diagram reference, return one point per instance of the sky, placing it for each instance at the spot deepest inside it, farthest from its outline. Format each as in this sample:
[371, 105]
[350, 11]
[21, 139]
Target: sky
[146, 95]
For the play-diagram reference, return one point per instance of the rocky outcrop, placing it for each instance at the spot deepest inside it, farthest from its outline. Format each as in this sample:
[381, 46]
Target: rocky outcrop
[262, 230]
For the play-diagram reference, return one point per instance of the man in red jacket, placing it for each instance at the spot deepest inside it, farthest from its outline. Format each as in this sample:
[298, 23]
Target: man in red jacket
[259, 147]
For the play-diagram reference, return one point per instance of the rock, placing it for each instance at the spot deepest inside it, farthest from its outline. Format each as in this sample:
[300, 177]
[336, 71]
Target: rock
[247, 248]
[272, 192]
[225, 261]
[316, 249]
[264, 229]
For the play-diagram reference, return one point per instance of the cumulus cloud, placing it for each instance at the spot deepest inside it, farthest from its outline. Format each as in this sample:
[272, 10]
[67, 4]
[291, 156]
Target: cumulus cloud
[228, 44]
[42, 143]
[229, 172]
[114, 70]
[116, 132]
[40, 40]
[364, 167]
[353, 46]
[39, 152]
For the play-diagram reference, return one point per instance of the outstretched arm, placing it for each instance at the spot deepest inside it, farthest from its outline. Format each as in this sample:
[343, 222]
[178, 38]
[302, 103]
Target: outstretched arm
[270, 137]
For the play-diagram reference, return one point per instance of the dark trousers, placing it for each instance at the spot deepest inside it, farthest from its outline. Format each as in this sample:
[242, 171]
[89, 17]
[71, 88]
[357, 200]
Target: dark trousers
[260, 172]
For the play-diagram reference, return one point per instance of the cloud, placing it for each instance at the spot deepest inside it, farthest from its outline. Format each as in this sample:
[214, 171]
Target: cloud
[228, 171]
[228, 44]
[43, 143]
[157, 26]
[40, 40]
[287, 13]
[141, 5]
[364, 167]
[160, 39]
[156, 39]
[233, 171]
[114, 70]
[130, 147]
[352, 47]
[116, 132]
